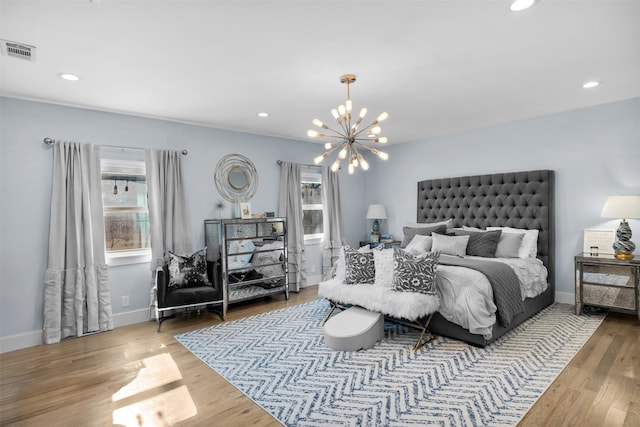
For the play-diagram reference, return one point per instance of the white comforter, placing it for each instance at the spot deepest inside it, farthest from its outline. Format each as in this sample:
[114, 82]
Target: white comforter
[466, 297]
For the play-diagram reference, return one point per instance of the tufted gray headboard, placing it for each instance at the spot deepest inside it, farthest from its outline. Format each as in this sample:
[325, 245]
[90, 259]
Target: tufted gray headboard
[514, 199]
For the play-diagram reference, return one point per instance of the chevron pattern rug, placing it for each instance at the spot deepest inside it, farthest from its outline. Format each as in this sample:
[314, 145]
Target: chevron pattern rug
[279, 360]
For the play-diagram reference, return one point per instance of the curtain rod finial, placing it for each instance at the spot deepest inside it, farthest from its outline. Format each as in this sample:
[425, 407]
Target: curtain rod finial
[48, 141]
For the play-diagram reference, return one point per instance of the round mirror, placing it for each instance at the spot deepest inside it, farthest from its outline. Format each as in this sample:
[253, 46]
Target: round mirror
[236, 178]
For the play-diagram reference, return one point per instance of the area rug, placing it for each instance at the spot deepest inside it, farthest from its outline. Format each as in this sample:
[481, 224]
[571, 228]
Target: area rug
[279, 360]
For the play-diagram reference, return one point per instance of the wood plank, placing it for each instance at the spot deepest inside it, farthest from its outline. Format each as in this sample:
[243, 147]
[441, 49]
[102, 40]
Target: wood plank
[81, 381]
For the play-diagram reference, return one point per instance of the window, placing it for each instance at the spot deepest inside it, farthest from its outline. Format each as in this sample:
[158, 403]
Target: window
[126, 214]
[311, 186]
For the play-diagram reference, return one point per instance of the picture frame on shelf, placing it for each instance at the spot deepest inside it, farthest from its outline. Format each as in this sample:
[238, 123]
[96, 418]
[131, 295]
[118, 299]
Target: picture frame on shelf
[599, 241]
[245, 210]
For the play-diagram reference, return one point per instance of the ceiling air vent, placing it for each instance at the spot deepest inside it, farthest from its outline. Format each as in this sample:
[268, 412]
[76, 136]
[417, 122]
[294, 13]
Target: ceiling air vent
[18, 50]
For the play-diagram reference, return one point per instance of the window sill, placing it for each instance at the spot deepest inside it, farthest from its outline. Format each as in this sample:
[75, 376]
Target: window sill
[128, 258]
[313, 241]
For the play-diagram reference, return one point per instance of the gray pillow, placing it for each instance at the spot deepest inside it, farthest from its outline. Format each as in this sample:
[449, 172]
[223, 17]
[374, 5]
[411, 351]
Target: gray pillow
[414, 273]
[509, 245]
[359, 267]
[481, 243]
[410, 232]
[450, 245]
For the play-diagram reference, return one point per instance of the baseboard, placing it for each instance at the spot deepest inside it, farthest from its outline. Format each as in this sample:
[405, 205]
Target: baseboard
[34, 338]
[565, 298]
[313, 280]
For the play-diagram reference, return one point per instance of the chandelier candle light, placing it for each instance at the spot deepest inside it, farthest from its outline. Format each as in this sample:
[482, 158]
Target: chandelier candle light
[350, 139]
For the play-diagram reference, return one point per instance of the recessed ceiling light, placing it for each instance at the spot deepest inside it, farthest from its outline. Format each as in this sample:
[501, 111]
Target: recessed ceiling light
[518, 5]
[69, 77]
[263, 114]
[589, 85]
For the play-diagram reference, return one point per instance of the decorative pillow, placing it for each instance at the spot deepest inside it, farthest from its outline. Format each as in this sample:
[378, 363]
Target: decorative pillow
[383, 261]
[481, 243]
[419, 244]
[427, 230]
[359, 266]
[509, 245]
[450, 245]
[529, 246]
[188, 271]
[414, 273]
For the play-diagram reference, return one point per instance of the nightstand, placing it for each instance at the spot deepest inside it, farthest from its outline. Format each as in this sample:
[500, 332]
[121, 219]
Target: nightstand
[607, 282]
[381, 244]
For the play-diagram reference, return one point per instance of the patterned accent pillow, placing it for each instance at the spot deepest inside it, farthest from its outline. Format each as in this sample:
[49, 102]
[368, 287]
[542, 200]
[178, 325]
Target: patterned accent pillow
[410, 232]
[414, 273]
[359, 267]
[481, 243]
[186, 271]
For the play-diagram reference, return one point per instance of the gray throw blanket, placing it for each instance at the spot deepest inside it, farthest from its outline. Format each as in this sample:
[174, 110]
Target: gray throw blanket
[506, 286]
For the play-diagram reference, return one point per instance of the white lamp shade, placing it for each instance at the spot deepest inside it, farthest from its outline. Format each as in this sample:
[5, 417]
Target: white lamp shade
[622, 207]
[376, 212]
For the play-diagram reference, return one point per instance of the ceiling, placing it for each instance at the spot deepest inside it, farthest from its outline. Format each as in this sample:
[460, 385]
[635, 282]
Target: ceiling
[437, 67]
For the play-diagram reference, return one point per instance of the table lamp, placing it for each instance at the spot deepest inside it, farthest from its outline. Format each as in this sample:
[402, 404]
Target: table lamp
[376, 212]
[624, 207]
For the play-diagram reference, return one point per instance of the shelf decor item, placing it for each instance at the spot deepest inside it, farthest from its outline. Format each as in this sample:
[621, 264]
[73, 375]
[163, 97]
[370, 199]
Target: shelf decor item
[624, 207]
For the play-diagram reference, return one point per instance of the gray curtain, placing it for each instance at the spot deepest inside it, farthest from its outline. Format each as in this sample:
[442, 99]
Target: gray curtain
[168, 217]
[77, 299]
[331, 220]
[290, 206]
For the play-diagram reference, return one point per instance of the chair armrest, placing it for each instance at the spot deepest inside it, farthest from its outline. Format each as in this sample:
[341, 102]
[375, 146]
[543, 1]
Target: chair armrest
[162, 280]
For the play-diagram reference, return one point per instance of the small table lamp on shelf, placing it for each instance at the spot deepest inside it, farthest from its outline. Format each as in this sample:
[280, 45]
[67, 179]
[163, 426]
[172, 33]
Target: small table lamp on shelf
[624, 207]
[376, 212]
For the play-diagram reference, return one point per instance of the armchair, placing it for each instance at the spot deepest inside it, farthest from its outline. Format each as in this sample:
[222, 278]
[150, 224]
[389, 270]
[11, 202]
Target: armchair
[169, 300]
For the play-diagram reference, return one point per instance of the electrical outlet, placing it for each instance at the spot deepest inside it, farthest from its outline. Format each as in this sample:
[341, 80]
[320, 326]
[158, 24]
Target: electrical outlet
[313, 268]
[125, 300]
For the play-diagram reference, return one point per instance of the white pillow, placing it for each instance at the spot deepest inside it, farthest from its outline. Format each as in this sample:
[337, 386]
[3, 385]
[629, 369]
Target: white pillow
[529, 246]
[383, 261]
[419, 244]
[450, 245]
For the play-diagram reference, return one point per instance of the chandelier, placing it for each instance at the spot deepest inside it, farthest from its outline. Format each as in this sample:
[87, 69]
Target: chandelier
[350, 139]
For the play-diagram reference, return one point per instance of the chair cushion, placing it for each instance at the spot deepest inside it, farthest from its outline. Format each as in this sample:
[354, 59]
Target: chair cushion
[191, 295]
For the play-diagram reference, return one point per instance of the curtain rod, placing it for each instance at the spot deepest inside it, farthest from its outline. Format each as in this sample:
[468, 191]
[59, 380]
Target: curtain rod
[302, 164]
[50, 141]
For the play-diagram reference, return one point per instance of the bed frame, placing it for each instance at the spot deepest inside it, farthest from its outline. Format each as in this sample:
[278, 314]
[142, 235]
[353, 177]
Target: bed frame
[517, 199]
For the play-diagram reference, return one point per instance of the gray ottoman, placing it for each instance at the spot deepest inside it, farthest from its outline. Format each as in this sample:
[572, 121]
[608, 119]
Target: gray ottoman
[354, 329]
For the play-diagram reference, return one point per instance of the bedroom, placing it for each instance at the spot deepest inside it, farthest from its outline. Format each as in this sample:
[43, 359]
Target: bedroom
[582, 145]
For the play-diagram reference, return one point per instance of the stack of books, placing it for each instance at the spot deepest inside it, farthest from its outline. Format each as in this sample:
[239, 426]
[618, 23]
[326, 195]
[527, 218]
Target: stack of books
[386, 238]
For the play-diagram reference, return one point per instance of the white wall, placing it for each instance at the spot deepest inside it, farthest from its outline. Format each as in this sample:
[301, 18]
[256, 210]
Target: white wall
[595, 152]
[25, 196]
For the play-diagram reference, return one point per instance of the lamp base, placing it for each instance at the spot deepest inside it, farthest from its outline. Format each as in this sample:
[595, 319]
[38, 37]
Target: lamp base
[625, 257]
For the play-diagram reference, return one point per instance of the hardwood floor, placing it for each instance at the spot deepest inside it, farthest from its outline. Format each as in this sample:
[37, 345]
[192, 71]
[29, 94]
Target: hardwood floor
[136, 376]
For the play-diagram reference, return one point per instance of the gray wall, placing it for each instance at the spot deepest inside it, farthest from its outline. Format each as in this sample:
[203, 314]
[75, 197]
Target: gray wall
[25, 195]
[594, 151]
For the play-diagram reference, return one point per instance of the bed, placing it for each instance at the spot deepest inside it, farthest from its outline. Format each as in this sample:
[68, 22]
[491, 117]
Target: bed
[513, 202]
[521, 200]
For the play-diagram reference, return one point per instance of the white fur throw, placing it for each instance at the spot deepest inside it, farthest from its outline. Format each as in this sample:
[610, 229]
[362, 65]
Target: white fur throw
[403, 305]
